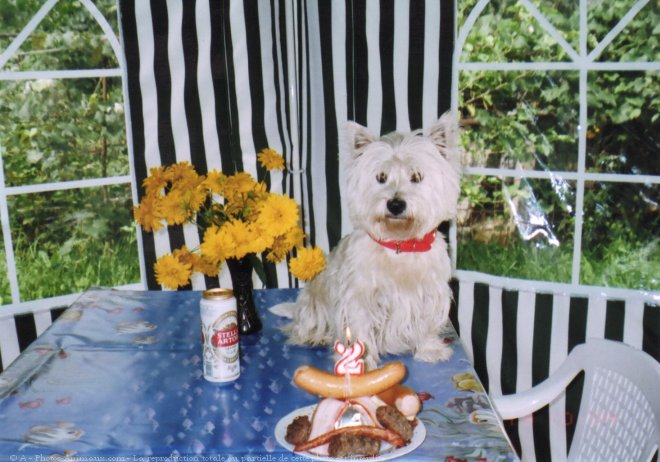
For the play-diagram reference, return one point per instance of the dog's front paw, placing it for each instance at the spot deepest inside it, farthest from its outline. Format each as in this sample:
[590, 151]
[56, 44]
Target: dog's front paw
[433, 350]
[286, 310]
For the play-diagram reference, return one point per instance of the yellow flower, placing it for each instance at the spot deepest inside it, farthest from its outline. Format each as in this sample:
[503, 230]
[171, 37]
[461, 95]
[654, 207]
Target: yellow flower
[278, 250]
[148, 214]
[246, 220]
[193, 197]
[198, 263]
[174, 209]
[183, 255]
[308, 263]
[283, 244]
[240, 183]
[271, 159]
[215, 245]
[155, 182]
[277, 214]
[181, 172]
[240, 206]
[172, 272]
[244, 239]
[201, 264]
[294, 238]
[215, 181]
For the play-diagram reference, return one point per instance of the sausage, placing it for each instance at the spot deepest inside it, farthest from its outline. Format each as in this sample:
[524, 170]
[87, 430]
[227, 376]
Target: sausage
[402, 398]
[329, 385]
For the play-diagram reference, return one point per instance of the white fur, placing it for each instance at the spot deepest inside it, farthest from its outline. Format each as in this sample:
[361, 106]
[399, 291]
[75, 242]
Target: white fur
[393, 302]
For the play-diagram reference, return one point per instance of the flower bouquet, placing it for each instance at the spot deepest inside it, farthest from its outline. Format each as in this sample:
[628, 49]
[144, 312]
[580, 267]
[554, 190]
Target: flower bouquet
[239, 217]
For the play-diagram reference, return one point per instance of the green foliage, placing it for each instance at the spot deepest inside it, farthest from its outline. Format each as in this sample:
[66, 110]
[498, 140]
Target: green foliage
[624, 263]
[62, 130]
[518, 261]
[530, 120]
[94, 262]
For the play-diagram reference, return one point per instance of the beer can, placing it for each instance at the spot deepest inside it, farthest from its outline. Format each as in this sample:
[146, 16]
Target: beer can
[220, 335]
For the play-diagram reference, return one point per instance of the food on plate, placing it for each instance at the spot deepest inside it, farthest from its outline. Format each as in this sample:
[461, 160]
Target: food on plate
[298, 431]
[329, 385]
[324, 440]
[347, 444]
[392, 419]
[405, 399]
[351, 418]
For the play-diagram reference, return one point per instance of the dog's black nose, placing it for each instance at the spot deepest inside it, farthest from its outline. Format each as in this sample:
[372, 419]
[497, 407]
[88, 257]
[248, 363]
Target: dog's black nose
[396, 206]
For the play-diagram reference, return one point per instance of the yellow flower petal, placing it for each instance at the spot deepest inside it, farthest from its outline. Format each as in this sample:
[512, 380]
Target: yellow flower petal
[174, 209]
[215, 181]
[172, 272]
[148, 214]
[216, 245]
[155, 182]
[278, 214]
[271, 159]
[308, 263]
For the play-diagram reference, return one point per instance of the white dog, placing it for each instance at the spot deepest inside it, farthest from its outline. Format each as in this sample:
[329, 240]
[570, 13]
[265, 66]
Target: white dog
[388, 279]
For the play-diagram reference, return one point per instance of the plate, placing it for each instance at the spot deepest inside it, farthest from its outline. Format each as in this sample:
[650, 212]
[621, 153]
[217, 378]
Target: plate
[419, 434]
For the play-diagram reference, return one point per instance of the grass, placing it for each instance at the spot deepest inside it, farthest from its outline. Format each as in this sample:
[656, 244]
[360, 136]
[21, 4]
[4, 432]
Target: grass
[517, 260]
[43, 274]
[622, 264]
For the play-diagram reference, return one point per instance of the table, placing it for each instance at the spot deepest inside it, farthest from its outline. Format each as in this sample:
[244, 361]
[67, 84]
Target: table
[119, 377]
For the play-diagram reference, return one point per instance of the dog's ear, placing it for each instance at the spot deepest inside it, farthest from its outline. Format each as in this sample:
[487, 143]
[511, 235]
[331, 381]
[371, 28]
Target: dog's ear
[444, 133]
[356, 138]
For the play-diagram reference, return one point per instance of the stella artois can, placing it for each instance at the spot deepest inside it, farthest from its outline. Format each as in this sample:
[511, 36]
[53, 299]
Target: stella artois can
[220, 335]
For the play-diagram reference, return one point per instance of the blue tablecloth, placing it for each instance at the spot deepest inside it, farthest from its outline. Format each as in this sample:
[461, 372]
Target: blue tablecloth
[119, 377]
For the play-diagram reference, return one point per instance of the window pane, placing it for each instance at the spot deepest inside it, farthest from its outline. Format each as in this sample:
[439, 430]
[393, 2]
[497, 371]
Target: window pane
[67, 38]
[522, 120]
[70, 240]
[516, 227]
[564, 15]
[13, 17]
[464, 9]
[624, 126]
[621, 244]
[60, 130]
[638, 41]
[507, 32]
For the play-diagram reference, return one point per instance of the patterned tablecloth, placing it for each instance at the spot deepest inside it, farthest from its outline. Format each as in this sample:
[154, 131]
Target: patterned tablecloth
[119, 377]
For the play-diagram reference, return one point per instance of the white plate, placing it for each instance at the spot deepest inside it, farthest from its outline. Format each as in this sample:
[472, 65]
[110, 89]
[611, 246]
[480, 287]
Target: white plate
[419, 434]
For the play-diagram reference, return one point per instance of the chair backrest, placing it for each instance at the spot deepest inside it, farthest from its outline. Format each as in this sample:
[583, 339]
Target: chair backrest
[518, 336]
[619, 415]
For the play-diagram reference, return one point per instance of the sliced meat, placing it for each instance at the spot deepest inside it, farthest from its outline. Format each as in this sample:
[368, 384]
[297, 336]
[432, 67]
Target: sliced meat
[345, 445]
[298, 431]
[390, 418]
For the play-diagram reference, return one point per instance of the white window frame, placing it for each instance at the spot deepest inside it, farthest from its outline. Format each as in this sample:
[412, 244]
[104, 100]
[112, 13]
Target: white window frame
[18, 305]
[582, 61]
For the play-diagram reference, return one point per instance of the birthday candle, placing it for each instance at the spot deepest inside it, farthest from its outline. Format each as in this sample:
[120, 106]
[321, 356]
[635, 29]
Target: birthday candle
[350, 361]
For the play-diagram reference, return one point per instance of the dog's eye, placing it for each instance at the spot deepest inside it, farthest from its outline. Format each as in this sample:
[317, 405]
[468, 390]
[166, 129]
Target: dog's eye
[416, 177]
[381, 177]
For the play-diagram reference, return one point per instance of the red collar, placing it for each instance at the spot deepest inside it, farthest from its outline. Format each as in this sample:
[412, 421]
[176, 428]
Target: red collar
[411, 245]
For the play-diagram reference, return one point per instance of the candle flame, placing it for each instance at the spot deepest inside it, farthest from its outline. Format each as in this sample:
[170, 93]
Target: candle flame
[348, 335]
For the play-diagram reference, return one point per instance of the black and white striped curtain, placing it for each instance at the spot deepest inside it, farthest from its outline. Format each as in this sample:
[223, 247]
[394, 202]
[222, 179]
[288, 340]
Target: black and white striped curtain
[214, 82]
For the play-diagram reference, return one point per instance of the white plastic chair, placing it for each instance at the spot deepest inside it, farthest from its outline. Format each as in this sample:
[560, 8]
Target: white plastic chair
[619, 418]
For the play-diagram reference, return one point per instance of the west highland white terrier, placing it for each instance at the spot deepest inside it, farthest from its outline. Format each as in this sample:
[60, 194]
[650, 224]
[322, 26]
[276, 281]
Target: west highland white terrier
[388, 280]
